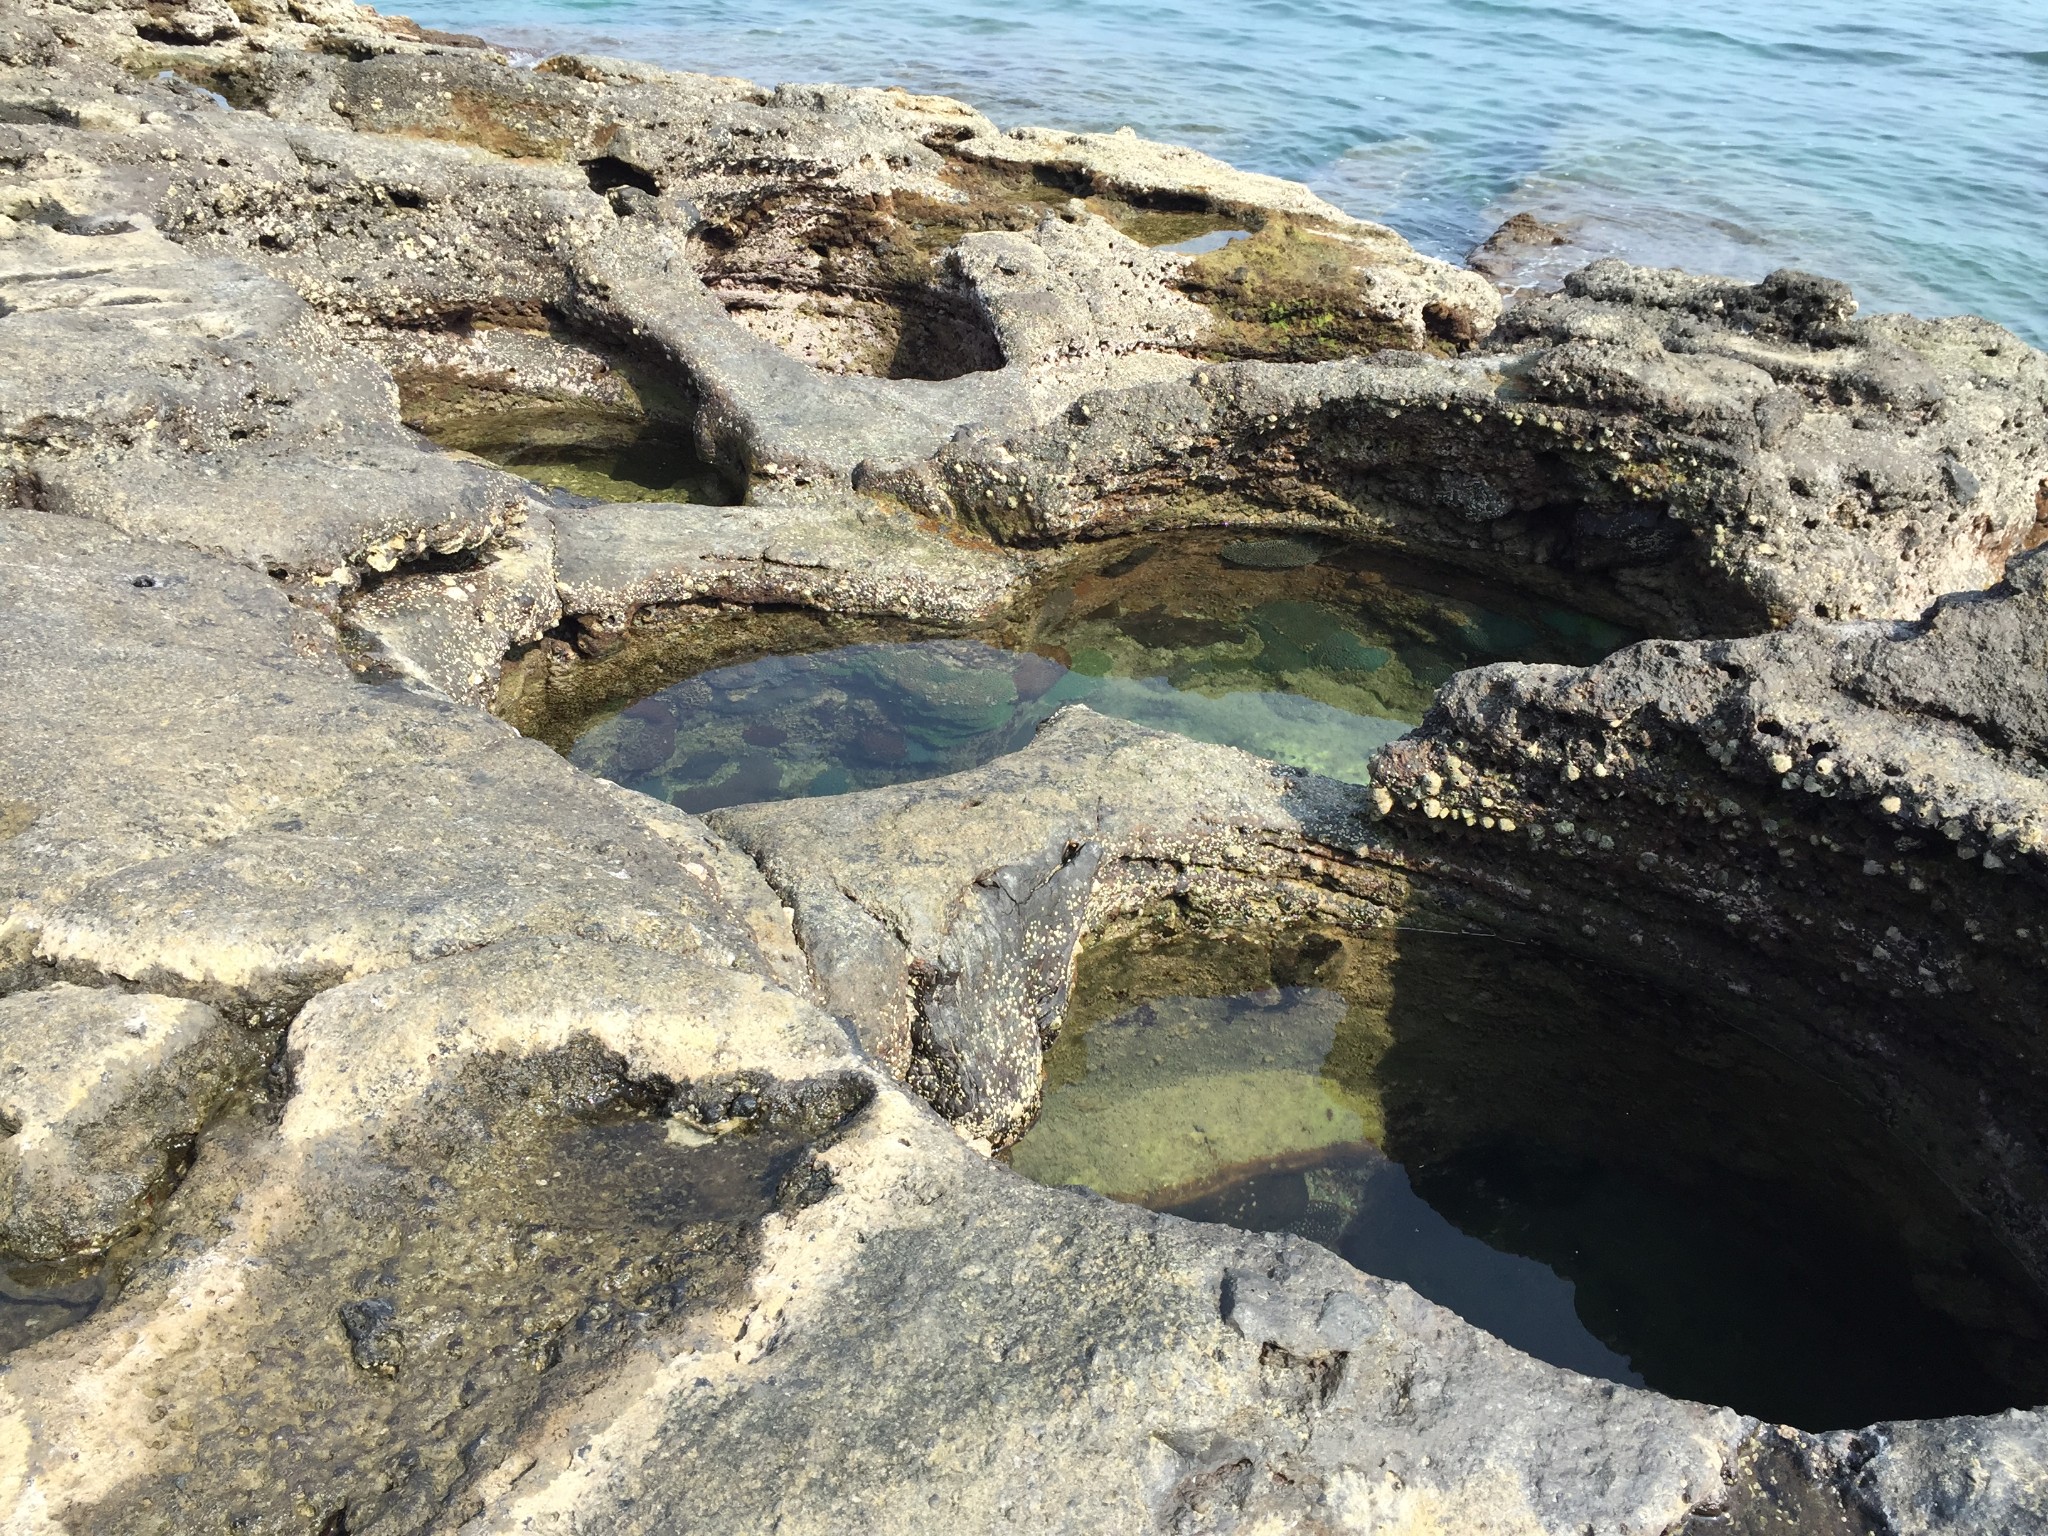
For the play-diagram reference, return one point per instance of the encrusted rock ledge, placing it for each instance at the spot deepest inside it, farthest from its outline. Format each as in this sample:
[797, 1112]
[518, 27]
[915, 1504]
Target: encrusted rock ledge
[465, 1143]
[1846, 825]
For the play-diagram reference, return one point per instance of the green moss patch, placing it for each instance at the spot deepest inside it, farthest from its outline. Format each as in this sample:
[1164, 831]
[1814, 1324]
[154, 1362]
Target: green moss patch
[1291, 294]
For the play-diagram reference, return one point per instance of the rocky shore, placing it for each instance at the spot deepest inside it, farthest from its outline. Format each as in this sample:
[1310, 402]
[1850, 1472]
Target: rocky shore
[401, 1130]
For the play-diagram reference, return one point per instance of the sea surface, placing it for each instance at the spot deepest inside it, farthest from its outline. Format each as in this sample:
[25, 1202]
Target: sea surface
[1900, 144]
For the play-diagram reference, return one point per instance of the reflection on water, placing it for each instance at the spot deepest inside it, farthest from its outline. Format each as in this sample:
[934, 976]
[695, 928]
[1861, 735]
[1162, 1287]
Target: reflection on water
[1362, 1204]
[1612, 1180]
[1285, 647]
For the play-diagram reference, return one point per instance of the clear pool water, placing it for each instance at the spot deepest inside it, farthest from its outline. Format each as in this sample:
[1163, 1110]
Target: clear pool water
[1895, 143]
[1633, 1185]
[1299, 650]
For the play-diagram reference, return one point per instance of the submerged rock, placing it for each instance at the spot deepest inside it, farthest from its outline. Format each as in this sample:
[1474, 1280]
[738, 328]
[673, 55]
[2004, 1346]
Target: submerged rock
[1272, 554]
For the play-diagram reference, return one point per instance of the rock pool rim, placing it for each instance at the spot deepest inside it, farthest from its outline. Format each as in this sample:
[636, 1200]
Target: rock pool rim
[1419, 1041]
[663, 646]
[507, 848]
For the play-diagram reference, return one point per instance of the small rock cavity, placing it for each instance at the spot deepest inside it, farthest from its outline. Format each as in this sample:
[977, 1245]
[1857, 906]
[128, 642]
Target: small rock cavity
[1304, 652]
[594, 452]
[38, 1300]
[1625, 1183]
[559, 412]
[871, 286]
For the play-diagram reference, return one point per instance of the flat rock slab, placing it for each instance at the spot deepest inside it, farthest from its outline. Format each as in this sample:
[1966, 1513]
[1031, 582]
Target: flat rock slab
[259, 824]
[100, 1090]
[841, 554]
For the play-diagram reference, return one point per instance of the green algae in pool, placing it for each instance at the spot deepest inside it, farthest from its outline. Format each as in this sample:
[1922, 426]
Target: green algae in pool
[604, 453]
[1612, 1180]
[588, 452]
[1285, 647]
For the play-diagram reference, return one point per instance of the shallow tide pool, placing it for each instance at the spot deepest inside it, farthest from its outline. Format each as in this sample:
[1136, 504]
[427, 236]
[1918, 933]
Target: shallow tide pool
[1631, 1185]
[1301, 651]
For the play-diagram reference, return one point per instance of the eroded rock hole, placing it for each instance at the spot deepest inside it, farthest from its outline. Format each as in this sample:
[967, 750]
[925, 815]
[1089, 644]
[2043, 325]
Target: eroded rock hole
[849, 296]
[558, 411]
[608, 173]
[1300, 650]
[1625, 1182]
[870, 286]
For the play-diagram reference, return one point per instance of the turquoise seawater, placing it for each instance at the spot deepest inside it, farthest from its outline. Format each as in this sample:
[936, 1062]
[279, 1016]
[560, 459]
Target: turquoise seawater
[1900, 144]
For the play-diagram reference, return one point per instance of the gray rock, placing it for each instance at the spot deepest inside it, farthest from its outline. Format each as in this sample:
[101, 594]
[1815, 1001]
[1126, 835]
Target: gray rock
[102, 1093]
[1071, 1358]
[841, 554]
[193, 400]
[451, 630]
[438, 1284]
[1847, 824]
[518, 1100]
[1970, 1477]
[942, 917]
[1688, 455]
[250, 842]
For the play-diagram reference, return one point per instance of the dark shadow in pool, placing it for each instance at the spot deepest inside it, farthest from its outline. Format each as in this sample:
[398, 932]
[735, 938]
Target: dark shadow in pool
[1732, 1221]
[1608, 1177]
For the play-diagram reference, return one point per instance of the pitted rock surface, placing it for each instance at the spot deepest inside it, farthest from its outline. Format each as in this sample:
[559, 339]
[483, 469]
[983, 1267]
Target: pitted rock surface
[598, 1202]
[101, 1091]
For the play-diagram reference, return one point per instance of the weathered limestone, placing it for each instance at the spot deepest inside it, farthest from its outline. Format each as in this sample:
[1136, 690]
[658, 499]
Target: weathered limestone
[452, 630]
[951, 1349]
[840, 555]
[257, 824]
[581, 1212]
[1844, 823]
[1123, 162]
[100, 1092]
[194, 400]
[943, 917]
[1684, 454]
[478, 1198]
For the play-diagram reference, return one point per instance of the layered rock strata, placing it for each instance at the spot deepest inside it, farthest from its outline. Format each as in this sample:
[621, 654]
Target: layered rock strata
[470, 1144]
